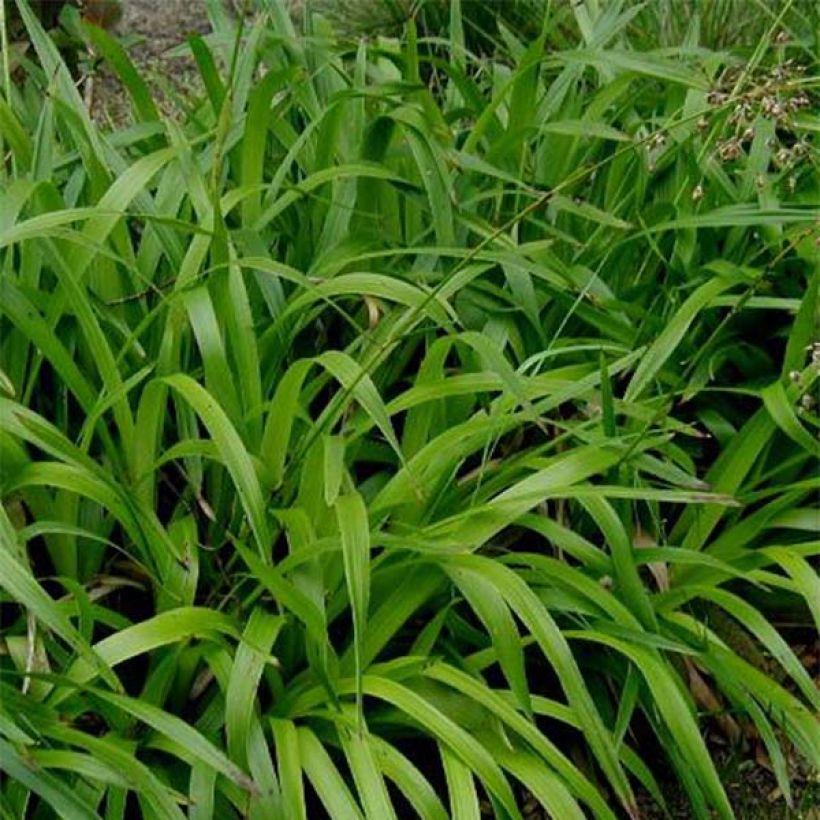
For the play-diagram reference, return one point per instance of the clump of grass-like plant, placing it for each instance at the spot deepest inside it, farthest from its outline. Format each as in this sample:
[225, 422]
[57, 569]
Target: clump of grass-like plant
[403, 429]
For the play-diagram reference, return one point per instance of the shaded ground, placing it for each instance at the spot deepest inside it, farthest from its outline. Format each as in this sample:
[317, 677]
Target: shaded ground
[162, 24]
[752, 791]
[151, 29]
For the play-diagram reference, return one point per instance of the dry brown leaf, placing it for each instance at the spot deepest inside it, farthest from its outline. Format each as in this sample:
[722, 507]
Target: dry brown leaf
[706, 698]
[659, 569]
[762, 759]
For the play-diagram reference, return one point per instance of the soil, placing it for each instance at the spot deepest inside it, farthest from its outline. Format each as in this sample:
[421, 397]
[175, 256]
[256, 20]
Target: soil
[152, 30]
[162, 24]
[751, 789]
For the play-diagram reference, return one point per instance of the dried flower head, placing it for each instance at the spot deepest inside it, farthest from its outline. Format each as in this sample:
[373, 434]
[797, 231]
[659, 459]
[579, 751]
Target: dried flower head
[657, 140]
[772, 108]
[729, 150]
[783, 156]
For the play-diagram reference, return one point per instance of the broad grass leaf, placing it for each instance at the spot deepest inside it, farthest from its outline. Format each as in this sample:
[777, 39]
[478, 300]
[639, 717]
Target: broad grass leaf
[664, 346]
[755, 622]
[585, 210]
[526, 604]
[358, 383]
[677, 715]
[568, 541]
[415, 787]
[354, 529]
[219, 376]
[13, 133]
[459, 741]
[250, 660]
[255, 140]
[693, 528]
[242, 337]
[23, 587]
[286, 593]
[545, 786]
[378, 285]
[201, 792]
[803, 329]
[206, 64]
[180, 732]
[741, 215]
[418, 585]
[325, 778]
[232, 451]
[373, 795]
[158, 796]
[545, 749]
[289, 766]
[461, 788]
[334, 458]
[84, 765]
[53, 790]
[169, 627]
[281, 416]
[266, 802]
[631, 587]
[646, 64]
[585, 128]
[804, 577]
[493, 612]
[777, 403]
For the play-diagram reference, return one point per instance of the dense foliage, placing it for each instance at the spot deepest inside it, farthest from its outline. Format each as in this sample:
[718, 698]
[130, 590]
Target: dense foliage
[403, 427]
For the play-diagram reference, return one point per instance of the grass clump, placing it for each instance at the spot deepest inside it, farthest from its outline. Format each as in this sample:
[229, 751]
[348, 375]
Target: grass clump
[408, 430]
